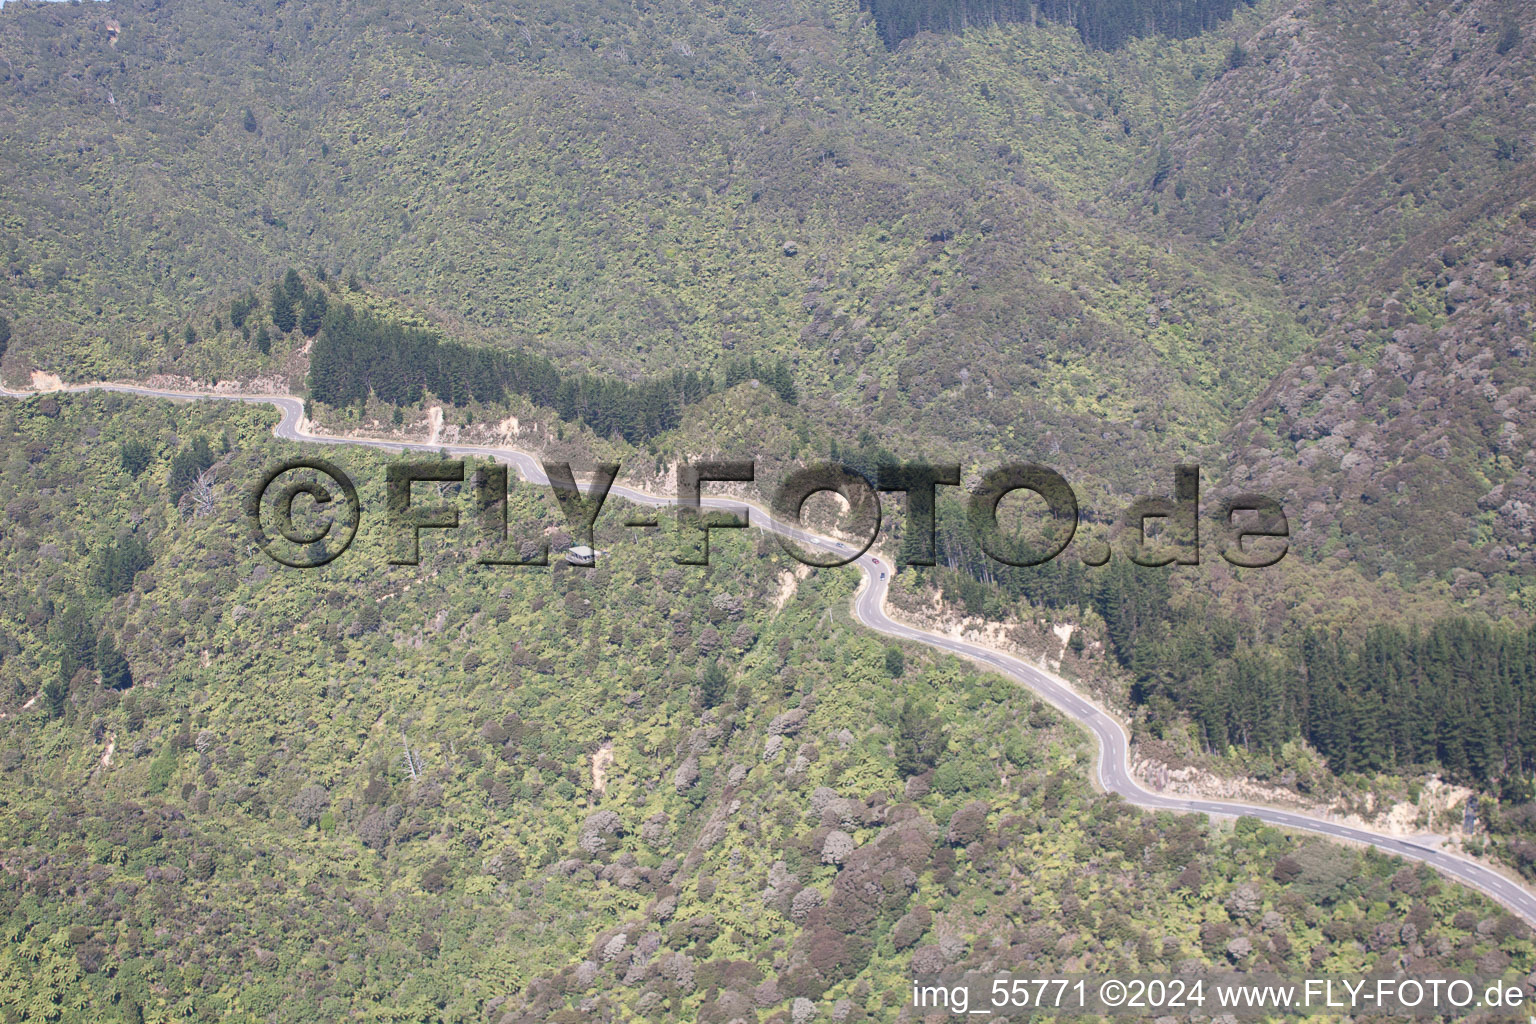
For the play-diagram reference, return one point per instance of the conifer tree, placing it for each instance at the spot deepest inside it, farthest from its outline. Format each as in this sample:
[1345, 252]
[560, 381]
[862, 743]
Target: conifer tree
[283, 316]
[110, 663]
[712, 683]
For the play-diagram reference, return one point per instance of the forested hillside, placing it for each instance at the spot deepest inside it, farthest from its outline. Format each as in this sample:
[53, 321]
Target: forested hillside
[1381, 164]
[1102, 24]
[1003, 239]
[634, 195]
[1453, 696]
[465, 793]
[1292, 242]
[362, 357]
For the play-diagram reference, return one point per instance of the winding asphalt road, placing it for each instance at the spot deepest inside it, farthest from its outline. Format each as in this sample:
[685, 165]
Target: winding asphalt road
[1112, 768]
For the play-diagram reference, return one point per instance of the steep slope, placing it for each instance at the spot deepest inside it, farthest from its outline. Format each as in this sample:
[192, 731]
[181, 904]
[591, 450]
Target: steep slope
[636, 192]
[1375, 160]
[256, 821]
[1407, 439]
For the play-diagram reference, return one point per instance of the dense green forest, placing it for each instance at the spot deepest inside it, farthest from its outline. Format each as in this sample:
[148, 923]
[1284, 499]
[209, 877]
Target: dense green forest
[631, 193]
[1399, 700]
[1102, 24]
[361, 355]
[1458, 697]
[1293, 243]
[1002, 240]
[642, 791]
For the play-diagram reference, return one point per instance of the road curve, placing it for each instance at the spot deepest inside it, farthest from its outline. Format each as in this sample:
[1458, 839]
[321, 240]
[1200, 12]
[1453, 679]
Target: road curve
[1112, 766]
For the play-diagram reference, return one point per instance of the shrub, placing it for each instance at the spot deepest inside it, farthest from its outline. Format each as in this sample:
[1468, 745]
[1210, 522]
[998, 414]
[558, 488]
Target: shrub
[134, 455]
[310, 803]
[968, 824]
